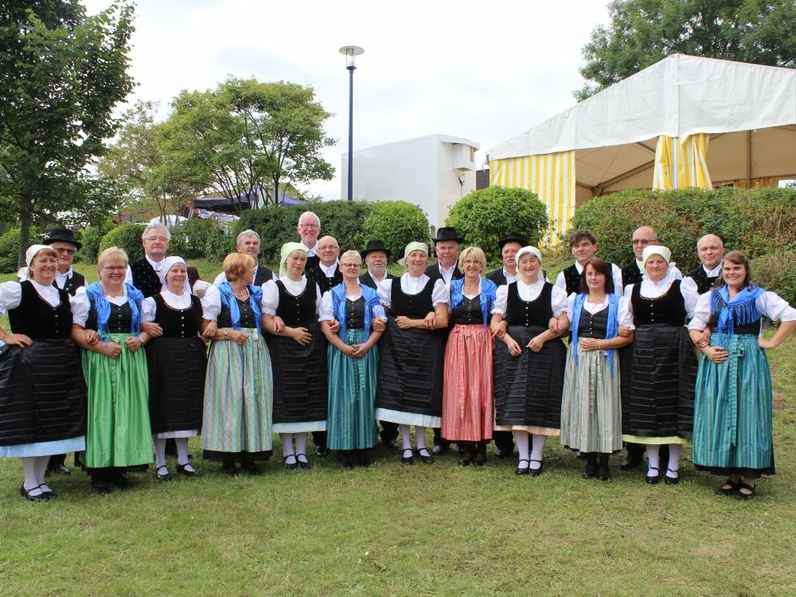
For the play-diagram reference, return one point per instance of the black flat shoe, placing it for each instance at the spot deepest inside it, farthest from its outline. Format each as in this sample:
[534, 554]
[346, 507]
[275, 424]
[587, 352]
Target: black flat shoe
[740, 495]
[181, 469]
[671, 480]
[228, 466]
[465, 458]
[728, 488]
[363, 458]
[479, 459]
[603, 474]
[118, 478]
[251, 467]
[291, 466]
[47, 491]
[653, 479]
[535, 472]
[99, 487]
[59, 469]
[303, 464]
[32, 498]
[522, 470]
[426, 458]
[407, 459]
[344, 460]
[162, 473]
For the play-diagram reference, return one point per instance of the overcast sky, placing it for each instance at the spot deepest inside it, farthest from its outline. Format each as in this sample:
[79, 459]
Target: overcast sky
[485, 71]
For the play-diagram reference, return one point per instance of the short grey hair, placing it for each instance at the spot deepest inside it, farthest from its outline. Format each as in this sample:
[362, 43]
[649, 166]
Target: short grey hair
[245, 234]
[160, 227]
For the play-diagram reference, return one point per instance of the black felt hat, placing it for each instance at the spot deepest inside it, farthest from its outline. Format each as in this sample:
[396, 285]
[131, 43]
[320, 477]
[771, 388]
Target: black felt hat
[448, 233]
[375, 245]
[62, 235]
[513, 237]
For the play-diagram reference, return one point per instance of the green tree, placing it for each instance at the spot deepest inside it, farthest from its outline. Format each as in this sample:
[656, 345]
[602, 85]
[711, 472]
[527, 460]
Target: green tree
[484, 216]
[643, 32]
[396, 223]
[61, 74]
[245, 135]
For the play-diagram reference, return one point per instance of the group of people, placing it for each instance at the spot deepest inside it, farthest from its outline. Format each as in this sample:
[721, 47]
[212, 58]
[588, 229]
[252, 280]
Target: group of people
[318, 348]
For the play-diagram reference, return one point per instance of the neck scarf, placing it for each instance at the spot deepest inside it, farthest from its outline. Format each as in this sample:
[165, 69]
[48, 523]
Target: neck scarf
[338, 303]
[610, 332]
[741, 310]
[96, 297]
[228, 300]
[486, 296]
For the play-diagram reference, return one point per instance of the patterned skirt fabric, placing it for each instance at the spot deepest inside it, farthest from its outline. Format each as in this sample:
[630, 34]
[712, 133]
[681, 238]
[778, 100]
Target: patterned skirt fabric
[658, 401]
[733, 411]
[352, 397]
[119, 433]
[468, 412]
[528, 387]
[591, 407]
[411, 369]
[238, 399]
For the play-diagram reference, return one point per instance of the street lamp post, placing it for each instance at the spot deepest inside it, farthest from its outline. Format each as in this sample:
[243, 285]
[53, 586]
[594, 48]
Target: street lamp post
[350, 52]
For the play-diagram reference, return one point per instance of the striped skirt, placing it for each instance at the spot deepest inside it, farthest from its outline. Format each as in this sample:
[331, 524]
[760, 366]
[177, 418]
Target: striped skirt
[733, 410]
[352, 397]
[238, 399]
[468, 411]
[591, 405]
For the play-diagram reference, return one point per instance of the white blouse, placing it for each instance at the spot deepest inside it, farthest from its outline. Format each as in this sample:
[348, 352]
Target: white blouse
[769, 304]
[211, 302]
[623, 313]
[410, 285]
[175, 301]
[271, 293]
[651, 290]
[528, 293]
[327, 306]
[11, 295]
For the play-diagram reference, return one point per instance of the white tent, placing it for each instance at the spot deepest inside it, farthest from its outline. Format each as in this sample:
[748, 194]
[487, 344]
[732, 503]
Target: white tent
[737, 119]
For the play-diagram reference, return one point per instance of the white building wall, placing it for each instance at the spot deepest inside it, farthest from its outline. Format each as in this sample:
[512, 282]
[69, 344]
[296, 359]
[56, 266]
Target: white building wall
[425, 171]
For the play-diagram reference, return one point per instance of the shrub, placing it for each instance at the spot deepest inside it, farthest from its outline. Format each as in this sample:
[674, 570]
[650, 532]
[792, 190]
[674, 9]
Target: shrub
[776, 272]
[396, 223]
[194, 238]
[127, 237]
[9, 251]
[484, 216]
[91, 239]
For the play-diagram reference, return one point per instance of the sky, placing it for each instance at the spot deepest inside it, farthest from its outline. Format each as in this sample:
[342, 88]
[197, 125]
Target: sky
[485, 71]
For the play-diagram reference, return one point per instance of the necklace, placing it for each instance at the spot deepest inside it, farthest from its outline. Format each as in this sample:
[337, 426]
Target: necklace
[241, 295]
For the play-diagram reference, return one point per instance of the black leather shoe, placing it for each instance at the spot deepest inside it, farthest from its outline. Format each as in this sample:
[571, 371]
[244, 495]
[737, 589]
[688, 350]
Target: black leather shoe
[321, 451]
[653, 479]
[304, 462]
[228, 466]
[410, 459]
[603, 474]
[291, 466]
[438, 449]
[522, 470]
[187, 472]
[33, 498]
[162, 473]
[671, 480]
[728, 488]
[344, 460]
[251, 467]
[363, 458]
[99, 487]
[117, 477]
[59, 469]
[535, 472]
[426, 458]
[504, 453]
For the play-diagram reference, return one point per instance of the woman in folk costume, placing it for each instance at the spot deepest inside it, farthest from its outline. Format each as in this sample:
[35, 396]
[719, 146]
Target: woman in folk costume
[177, 363]
[468, 413]
[412, 352]
[529, 318]
[658, 404]
[42, 394]
[239, 383]
[733, 409]
[591, 406]
[353, 362]
[107, 325]
[290, 306]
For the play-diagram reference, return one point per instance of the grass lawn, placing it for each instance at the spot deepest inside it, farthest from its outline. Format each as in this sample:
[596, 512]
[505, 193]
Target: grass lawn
[419, 530]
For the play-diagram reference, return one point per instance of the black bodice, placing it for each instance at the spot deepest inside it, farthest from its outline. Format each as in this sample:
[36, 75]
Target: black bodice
[593, 325]
[36, 318]
[529, 313]
[178, 323]
[468, 312]
[667, 309]
[414, 306]
[297, 311]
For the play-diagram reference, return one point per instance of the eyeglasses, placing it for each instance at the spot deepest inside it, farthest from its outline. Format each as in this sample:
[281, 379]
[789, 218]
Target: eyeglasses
[327, 247]
[114, 268]
[309, 225]
[642, 241]
[162, 239]
[64, 250]
[349, 265]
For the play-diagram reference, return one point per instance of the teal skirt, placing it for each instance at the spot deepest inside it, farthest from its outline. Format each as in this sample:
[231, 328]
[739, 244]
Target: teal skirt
[733, 410]
[351, 423]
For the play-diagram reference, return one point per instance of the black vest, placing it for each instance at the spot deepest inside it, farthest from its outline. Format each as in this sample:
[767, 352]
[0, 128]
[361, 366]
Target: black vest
[468, 312]
[414, 306]
[36, 318]
[593, 326]
[367, 280]
[703, 281]
[432, 271]
[145, 278]
[533, 313]
[355, 314]
[572, 278]
[750, 328]
[120, 321]
[324, 282]
[247, 317]
[297, 311]
[630, 275]
[312, 261]
[73, 282]
[668, 309]
[178, 323]
[497, 277]
[262, 274]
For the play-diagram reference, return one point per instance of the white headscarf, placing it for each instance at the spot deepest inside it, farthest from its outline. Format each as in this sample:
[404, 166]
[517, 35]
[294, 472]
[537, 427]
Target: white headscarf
[415, 246]
[536, 253]
[33, 250]
[167, 264]
[661, 251]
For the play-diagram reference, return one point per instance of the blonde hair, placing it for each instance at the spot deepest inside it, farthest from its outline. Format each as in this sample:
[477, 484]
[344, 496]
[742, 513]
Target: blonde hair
[111, 253]
[237, 266]
[351, 254]
[475, 252]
